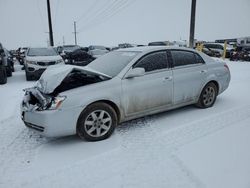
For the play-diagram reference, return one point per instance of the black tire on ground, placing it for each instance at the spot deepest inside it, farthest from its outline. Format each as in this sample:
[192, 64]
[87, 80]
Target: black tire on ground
[208, 96]
[28, 76]
[9, 71]
[3, 75]
[96, 122]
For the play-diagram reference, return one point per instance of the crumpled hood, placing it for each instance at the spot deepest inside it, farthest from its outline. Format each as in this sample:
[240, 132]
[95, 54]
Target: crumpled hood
[54, 75]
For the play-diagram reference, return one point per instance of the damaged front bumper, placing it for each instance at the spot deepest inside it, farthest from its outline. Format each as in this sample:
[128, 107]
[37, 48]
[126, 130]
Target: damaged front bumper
[36, 114]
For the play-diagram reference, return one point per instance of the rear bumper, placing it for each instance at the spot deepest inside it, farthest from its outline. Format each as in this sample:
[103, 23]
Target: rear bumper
[52, 123]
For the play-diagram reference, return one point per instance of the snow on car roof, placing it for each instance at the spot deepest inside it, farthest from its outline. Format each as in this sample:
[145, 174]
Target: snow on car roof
[154, 48]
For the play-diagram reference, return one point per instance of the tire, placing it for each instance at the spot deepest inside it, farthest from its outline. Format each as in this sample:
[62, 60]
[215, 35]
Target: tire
[28, 76]
[3, 75]
[208, 96]
[9, 72]
[96, 122]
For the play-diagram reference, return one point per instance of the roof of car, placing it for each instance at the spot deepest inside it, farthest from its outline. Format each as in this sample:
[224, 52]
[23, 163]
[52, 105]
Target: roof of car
[154, 48]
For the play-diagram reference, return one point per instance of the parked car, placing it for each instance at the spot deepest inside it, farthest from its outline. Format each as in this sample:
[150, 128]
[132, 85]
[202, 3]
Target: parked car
[21, 54]
[241, 52]
[67, 48]
[78, 57]
[122, 85]
[38, 59]
[3, 63]
[97, 51]
[8, 62]
[220, 48]
[159, 43]
[210, 52]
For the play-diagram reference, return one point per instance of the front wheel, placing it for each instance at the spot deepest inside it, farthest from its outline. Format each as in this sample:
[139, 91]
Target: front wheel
[208, 96]
[97, 122]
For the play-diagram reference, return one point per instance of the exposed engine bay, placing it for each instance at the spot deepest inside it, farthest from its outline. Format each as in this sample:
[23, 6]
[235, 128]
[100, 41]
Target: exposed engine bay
[36, 99]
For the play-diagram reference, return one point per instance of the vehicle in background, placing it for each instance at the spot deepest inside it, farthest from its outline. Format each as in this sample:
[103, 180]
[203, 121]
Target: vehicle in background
[159, 43]
[210, 52]
[220, 48]
[97, 51]
[125, 45]
[9, 63]
[63, 50]
[78, 57]
[67, 48]
[38, 59]
[90, 101]
[21, 54]
[241, 52]
[3, 63]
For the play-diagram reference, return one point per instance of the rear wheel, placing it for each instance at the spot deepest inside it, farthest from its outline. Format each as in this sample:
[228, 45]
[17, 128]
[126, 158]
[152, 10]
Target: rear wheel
[3, 75]
[97, 122]
[208, 96]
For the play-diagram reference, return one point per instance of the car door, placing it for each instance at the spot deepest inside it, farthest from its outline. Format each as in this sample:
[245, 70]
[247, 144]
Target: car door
[189, 73]
[151, 91]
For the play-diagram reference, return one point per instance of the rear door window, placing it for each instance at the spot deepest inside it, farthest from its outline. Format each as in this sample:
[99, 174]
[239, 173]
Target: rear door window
[181, 58]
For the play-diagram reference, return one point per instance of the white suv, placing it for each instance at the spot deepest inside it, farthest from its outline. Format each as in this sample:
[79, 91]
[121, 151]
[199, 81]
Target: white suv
[38, 59]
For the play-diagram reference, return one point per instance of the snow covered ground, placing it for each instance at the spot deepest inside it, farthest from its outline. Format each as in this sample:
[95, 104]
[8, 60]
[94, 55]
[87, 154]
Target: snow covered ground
[187, 147]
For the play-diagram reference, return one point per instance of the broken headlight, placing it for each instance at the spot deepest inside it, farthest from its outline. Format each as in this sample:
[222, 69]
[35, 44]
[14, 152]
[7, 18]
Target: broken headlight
[56, 102]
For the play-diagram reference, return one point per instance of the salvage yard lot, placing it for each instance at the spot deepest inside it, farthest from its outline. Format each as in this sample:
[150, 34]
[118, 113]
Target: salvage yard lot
[187, 147]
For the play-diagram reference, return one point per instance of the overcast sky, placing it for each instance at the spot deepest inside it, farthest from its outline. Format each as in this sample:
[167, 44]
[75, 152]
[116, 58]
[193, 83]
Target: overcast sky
[110, 22]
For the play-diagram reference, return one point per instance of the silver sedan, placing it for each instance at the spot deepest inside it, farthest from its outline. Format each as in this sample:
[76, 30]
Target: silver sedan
[119, 86]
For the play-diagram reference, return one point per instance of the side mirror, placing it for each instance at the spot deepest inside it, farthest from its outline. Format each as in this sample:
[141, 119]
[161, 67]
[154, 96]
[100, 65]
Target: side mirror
[136, 72]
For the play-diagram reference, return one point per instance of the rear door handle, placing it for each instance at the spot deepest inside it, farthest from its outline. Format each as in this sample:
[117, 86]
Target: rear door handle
[168, 78]
[203, 71]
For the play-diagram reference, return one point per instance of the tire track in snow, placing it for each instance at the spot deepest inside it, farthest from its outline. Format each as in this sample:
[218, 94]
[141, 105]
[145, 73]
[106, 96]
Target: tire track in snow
[146, 157]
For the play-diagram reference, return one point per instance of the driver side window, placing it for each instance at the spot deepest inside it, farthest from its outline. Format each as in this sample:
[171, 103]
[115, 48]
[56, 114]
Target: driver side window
[153, 61]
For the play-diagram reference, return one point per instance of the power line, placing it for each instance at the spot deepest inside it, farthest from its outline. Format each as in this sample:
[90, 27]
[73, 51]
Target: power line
[85, 13]
[107, 15]
[100, 10]
[109, 8]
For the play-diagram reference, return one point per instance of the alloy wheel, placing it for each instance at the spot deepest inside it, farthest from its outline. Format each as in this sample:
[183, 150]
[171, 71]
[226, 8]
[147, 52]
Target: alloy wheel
[98, 123]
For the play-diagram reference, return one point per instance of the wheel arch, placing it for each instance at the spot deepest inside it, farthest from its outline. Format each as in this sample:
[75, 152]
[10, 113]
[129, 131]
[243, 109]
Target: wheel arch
[110, 103]
[215, 83]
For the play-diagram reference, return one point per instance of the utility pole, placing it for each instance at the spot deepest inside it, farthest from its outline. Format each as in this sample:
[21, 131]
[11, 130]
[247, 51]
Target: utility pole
[192, 24]
[63, 41]
[75, 32]
[50, 25]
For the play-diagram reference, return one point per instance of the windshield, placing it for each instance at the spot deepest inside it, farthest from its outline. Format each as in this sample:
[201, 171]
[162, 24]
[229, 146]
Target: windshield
[112, 63]
[42, 52]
